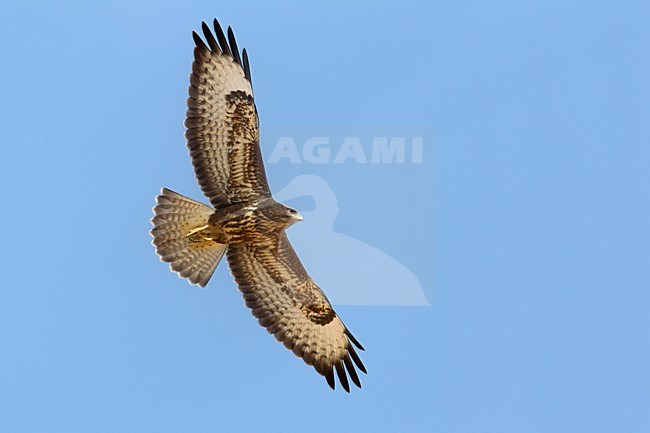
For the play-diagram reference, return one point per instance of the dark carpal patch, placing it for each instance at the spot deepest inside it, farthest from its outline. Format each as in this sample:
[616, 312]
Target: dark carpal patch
[247, 172]
[320, 314]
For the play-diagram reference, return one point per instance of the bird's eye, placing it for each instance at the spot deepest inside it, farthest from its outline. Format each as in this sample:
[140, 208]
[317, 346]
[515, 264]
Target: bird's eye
[291, 211]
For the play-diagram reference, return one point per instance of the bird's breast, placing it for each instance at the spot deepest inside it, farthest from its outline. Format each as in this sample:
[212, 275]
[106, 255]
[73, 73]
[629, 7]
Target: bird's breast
[244, 226]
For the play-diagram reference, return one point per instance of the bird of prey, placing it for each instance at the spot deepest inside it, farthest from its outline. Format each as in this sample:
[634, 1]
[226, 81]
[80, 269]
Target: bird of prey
[244, 222]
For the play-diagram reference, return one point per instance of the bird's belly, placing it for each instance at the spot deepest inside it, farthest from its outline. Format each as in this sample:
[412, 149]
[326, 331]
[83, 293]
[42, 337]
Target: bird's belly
[240, 229]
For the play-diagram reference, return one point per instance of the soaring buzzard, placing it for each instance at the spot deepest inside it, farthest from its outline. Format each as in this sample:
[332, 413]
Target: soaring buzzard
[245, 222]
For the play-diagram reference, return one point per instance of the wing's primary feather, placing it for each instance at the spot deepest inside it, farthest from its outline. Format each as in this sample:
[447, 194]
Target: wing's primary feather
[214, 46]
[288, 303]
[222, 38]
[222, 124]
[233, 45]
[247, 66]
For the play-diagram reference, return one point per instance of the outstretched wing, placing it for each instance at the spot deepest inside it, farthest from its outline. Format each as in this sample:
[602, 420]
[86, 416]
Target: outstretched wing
[288, 303]
[222, 126]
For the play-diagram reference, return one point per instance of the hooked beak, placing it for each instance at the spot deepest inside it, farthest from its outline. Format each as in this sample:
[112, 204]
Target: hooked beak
[299, 217]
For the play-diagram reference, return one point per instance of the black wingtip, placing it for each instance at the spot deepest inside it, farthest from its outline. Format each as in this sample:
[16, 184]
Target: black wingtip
[340, 372]
[198, 41]
[351, 371]
[356, 359]
[223, 45]
[247, 66]
[210, 38]
[233, 46]
[354, 340]
[329, 376]
[221, 37]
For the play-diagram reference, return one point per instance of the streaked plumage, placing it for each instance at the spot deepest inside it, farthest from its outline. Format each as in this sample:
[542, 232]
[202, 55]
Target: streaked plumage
[245, 223]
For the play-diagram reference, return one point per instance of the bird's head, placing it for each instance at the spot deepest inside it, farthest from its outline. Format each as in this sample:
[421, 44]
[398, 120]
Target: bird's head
[290, 215]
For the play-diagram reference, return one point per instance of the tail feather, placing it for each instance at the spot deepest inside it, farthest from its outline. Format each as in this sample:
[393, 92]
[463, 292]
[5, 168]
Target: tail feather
[175, 216]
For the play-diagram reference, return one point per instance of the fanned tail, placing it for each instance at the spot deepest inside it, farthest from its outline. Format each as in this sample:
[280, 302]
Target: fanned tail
[176, 220]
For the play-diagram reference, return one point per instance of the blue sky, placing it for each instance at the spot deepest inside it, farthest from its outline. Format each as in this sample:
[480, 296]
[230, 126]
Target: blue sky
[526, 222]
